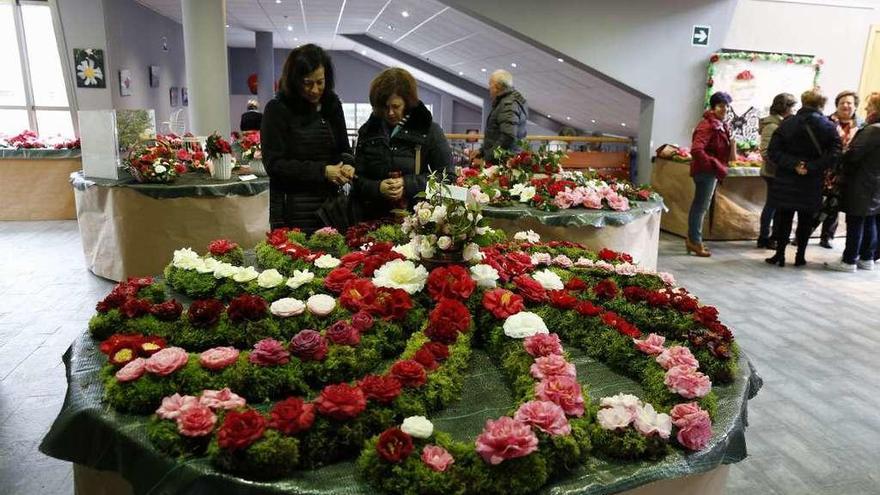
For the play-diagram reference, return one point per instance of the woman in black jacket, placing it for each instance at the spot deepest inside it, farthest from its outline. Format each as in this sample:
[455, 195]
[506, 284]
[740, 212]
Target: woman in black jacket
[398, 147]
[303, 138]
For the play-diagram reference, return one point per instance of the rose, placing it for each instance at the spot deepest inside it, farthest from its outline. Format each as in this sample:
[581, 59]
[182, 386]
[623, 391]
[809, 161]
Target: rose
[437, 458]
[269, 352]
[606, 289]
[357, 294]
[394, 445]
[687, 382]
[448, 318]
[292, 416]
[172, 405]
[530, 289]
[505, 438]
[614, 418]
[379, 388]
[564, 391]
[134, 308]
[300, 278]
[341, 401]
[221, 399]
[335, 281]
[287, 307]
[220, 247]
[245, 275]
[196, 421]
[167, 311]
[309, 345]
[321, 304]
[648, 422]
[270, 278]
[677, 356]
[562, 299]
[652, 345]
[524, 324]
[401, 274]
[418, 427]
[452, 282]
[410, 373]
[343, 333]
[391, 304]
[586, 308]
[545, 416]
[240, 429]
[502, 303]
[131, 371]
[552, 365]
[247, 307]
[543, 344]
[362, 321]
[218, 358]
[166, 361]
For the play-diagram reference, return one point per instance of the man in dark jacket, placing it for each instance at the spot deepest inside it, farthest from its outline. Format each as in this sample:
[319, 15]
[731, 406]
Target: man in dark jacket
[506, 124]
[251, 120]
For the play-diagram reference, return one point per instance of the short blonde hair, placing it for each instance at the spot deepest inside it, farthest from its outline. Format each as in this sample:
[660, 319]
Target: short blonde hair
[253, 104]
[813, 98]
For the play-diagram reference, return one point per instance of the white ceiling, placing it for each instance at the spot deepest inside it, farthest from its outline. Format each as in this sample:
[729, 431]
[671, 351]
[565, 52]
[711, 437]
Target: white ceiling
[447, 38]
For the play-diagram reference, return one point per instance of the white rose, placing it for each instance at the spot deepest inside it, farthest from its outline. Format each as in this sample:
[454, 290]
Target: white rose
[225, 270]
[417, 426]
[270, 278]
[527, 194]
[246, 275]
[444, 242]
[321, 304]
[160, 169]
[400, 274]
[409, 250]
[439, 214]
[327, 261]
[613, 418]
[548, 280]
[528, 236]
[300, 278]
[649, 422]
[472, 252]
[524, 324]
[287, 307]
[485, 276]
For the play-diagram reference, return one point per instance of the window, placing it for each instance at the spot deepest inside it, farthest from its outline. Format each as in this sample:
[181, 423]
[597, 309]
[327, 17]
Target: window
[33, 93]
[357, 114]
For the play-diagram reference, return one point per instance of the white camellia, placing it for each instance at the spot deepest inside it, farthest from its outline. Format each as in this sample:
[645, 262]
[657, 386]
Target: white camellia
[300, 278]
[485, 276]
[471, 252]
[408, 250]
[185, 259]
[527, 194]
[327, 261]
[417, 426]
[321, 304]
[626, 401]
[270, 278]
[541, 259]
[528, 236]
[444, 242]
[287, 307]
[613, 418]
[548, 280]
[401, 274]
[650, 422]
[246, 274]
[211, 264]
[423, 215]
[517, 189]
[225, 270]
[524, 324]
[160, 169]
[201, 266]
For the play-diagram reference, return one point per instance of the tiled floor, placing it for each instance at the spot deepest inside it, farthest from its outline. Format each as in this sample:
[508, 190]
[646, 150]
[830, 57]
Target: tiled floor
[814, 337]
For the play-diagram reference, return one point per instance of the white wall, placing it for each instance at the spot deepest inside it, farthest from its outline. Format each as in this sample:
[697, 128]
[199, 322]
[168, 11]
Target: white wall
[82, 24]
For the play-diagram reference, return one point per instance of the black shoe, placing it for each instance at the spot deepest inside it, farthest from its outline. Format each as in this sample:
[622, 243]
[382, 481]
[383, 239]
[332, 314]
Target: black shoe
[800, 261]
[777, 259]
[771, 244]
[763, 243]
[825, 243]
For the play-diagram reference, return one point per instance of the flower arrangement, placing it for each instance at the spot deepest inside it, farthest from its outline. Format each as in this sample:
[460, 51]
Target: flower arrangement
[155, 162]
[248, 146]
[30, 140]
[216, 146]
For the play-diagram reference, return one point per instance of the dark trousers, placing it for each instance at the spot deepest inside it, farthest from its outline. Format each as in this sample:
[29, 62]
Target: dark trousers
[782, 223]
[829, 227]
[861, 238]
[767, 215]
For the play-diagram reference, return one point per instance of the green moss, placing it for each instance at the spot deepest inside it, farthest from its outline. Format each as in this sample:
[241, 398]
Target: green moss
[627, 444]
[333, 244]
[234, 257]
[103, 325]
[273, 456]
[164, 436]
[190, 282]
[720, 371]
[389, 233]
[269, 257]
[264, 383]
[142, 396]
[150, 325]
[155, 292]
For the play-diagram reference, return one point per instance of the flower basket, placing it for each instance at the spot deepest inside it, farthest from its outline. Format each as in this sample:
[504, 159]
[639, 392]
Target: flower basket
[222, 167]
[443, 258]
[257, 168]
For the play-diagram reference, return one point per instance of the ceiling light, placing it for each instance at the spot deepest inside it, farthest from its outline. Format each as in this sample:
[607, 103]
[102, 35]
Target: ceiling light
[381, 37]
[405, 13]
[295, 39]
[593, 121]
[560, 60]
[513, 64]
[483, 69]
[460, 73]
[363, 52]
[391, 27]
[567, 118]
[549, 116]
[623, 124]
[227, 25]
[289, 27]
[277, 1]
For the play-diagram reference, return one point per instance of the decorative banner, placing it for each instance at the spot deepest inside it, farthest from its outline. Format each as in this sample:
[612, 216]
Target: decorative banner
[89, 63]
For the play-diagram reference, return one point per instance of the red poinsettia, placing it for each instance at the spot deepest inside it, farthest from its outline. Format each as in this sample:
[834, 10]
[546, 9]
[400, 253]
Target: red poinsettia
[606, 289]
[410, 373]
[220, 247]
[452, 282]
[336, 279]
[502, 303]
[167, 311]
[247, 307]
[391, 304]
[241, 429]
[205, 312]
[394, 445]
[562, 299]
[292, 416]
[357, 294]
[380, 388]
[341, 401]
[530, 289]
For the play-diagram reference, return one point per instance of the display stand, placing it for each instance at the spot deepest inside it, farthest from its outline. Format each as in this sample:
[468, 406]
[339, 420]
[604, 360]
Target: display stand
[33, 184]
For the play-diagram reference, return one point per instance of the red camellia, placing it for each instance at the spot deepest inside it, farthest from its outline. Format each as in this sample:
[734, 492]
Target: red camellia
[134, 308]
[205, 312]
[502, 303]
[448, 318]
[684, 303]
[557, 187]
[352, 260]
[118, 340]
[292, 416]
[575, 284]
[706, 315]
[530, 289]
[626, 328]
[394, 445]
[586, 308]
[611, 318]
[277, 236]
[391, 304]
[410, 373]
[151, 345]
[562, 299]
[380, 388]
[240, 429]
[451, 282]
[362, 321]
[167, 311]
[335, 280]
[343, 333]
[605, 289]
[124, 354]
[341, 401]
[658, 299]
[357, 294]
[635, 293]
[426, 359]
[220, 247]
[439, 350]
[247, 307]
[607, 255]
[308, 345]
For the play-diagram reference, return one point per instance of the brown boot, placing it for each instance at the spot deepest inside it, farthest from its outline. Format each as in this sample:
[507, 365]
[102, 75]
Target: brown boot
[698, 249]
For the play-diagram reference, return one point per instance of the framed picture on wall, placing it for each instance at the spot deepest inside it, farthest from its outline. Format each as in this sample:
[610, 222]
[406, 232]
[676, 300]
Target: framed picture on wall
[124, 82]
[154, 76]
[89, 63]
[184, 97]
[175, 96]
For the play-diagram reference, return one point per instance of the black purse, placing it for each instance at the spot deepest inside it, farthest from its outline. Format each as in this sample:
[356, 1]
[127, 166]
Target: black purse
[340, 211]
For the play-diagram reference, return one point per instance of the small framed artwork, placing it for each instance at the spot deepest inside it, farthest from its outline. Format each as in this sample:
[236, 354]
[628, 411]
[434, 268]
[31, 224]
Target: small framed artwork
[154, 76]
[174, 92]
[184, 97]
[89, 63]
[124, 82]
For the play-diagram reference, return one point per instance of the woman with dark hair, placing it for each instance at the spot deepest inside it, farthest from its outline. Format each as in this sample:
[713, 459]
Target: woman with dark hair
[712, 148]
[782, 108]
[398, 147]
[848, 123]
[303, 139]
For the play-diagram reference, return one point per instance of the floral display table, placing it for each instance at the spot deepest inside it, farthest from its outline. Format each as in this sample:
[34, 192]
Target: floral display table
[126, 227]
[33, 184]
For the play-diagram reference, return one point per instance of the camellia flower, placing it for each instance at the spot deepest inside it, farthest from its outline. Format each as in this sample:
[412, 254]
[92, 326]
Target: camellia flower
[287, 307]
[326, 261]
[437, 458]
[614, 418]
[309, 345]
[394, 445]
[552, 365]
[245, 275]
[451, 282]
[543, 344]
[131, 371]
[564, 391]
[173, 404]
[270, 278]
[650, 422]
[417, 426]
[528, 236]
[401, 274]
[341, 401]
[221, 399]
[196, 421]
[545, 416]
[502, 303]
[524, 324]
[321, 304]
[652, 345]
[218, 358]
[269, 352]
[166, 361]
[677, 356]
[379, 388]
[687, 382]
[695, 427]
[505, 438]
[300, 278]
[240, 429]
[292, 416]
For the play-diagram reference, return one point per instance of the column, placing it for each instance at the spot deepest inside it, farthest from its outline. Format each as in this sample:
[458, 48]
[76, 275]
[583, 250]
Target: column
[265, 67]
[207, 67]
[645, 141]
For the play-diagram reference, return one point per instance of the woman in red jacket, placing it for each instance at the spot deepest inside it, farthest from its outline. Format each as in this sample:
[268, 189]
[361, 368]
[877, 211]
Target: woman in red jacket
[712, 148]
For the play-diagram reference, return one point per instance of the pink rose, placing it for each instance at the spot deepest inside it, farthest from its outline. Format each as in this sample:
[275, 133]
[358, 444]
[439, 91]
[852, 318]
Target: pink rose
[196, 421]
[505, 438]
[269, 352]
[437, 458]
[617, 202]
[132, 371]
[218, 358]
[173, 404]
[552, 365]
[545, 416]
[613, 418]
[221, 399]
[677, 356]
[167, 361]
[687, 382]
[563, 261]
[695, 427]
[651, 345]
[543, 344]
[564, 391]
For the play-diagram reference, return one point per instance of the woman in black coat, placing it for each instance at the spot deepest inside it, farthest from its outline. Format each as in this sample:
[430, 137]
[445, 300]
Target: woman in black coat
[303, 139]
[802, 148]
[398, 147]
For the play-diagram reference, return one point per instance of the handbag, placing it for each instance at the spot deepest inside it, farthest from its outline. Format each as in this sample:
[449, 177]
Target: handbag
[340, 211]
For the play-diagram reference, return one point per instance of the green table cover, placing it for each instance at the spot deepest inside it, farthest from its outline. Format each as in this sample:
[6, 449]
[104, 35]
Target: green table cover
[576, 217]
[186, 186]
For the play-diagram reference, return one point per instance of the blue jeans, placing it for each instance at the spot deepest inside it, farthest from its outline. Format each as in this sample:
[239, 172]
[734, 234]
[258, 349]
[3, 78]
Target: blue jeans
[704, 186]
[861, 238]
[766, 215]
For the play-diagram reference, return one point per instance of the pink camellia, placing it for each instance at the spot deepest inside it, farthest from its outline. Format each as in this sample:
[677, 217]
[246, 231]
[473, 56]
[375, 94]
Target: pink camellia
[541, 259]
[552, 365]
[505, 438]
[695, 427]
[221, 399]
[167, 361]
[683, 414]
[309, 345]
[218, 358]
[269, 352]
[563, 261]
[132, 371]
[437, 458]
[326, 231]
[564, 199]
[592, 199]
[667, 278]
[564, 391]
[196, 421]
[649, 422]
[687, 382]
[614, 418]
[677, 356]
[626, 269]
[545, 416]
[617, 202]
[652, 345]
[173, 404]
[543, 344]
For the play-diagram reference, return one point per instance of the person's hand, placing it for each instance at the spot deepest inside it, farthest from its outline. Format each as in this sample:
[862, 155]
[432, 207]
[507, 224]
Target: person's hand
[334, 174]
[801, 168]
[348, 172]
[391, 188]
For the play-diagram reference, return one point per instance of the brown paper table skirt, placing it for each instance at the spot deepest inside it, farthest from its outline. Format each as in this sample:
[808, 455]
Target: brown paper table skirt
[37, 188]
[127, 234]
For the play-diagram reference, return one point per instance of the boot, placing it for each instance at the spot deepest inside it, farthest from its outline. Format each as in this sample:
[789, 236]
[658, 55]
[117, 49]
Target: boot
[697, 248]
[778, 258]
[799, 259]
